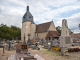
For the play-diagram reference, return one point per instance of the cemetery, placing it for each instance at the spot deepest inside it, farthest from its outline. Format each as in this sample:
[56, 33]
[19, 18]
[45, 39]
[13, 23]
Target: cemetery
[62, 47]
[53, 46]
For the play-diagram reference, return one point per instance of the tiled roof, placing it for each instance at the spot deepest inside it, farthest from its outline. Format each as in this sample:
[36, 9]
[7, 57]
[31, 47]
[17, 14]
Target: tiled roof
[43, 27]
[77, 35]
[53, 34]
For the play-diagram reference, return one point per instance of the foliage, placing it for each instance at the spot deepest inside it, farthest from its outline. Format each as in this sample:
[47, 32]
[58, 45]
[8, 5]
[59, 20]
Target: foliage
[70, 31]
[58, 28]
[9, 33]
[50, 53]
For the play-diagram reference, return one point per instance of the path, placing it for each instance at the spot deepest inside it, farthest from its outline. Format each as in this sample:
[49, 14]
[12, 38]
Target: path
[44, 53]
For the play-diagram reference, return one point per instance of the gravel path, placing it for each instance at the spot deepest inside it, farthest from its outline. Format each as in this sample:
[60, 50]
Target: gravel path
[55, 55]
[6, 54]
[44, 53]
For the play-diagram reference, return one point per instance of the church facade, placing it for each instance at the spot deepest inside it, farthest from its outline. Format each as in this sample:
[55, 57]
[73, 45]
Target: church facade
[33, 31]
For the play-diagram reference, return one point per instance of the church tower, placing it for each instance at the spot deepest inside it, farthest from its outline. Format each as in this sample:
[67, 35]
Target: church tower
[28, 26]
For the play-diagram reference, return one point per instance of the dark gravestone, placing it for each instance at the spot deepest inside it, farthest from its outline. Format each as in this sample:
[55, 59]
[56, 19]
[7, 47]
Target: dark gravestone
[9, 45]
[2, 46]
[22, 51]
[21, 47]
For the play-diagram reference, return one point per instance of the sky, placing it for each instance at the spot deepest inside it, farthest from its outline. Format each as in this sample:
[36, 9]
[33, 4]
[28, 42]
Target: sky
[12, 11]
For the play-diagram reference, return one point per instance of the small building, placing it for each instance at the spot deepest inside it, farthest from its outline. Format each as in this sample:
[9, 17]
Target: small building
[34, 31]
[75, 37]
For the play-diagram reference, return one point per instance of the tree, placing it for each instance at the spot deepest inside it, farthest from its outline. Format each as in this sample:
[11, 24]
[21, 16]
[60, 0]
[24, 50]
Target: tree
[58, 28]
[9, 32]
[70, 31]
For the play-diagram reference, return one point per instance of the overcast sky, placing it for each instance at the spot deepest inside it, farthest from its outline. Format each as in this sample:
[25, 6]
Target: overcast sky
[12, 11]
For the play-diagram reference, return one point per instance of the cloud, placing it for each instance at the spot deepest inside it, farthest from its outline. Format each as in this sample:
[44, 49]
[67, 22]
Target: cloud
[74, 22]
[11, 11]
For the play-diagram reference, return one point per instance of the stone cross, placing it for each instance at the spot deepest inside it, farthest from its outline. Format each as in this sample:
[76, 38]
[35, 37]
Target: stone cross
[24, 39]
[29, 35]
[29, 42]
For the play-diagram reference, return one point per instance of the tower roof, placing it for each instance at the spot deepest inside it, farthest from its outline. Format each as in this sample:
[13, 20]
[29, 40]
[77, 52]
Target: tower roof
[28, 16]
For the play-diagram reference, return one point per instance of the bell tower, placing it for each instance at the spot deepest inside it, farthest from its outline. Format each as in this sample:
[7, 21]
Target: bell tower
[27, 25]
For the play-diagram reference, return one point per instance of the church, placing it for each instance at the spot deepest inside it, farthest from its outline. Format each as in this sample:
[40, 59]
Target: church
[37, 32]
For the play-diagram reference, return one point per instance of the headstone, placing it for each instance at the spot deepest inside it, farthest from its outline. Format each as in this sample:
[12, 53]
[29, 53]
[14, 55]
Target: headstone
[21, 48]
[2, 46]
[22, 52]
[9, 45]
[45, 43]
[65, 39]
[55, 43]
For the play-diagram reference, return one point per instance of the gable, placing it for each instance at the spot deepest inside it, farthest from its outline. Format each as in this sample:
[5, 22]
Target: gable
[52, 27]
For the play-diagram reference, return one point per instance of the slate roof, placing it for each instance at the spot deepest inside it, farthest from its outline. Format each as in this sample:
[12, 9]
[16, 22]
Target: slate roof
[43, 27]
[28, 16]
[53, 34]
[77, 35]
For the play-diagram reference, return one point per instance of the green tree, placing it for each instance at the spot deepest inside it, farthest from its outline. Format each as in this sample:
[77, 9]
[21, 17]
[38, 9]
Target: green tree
[9, 32]
[58, 28]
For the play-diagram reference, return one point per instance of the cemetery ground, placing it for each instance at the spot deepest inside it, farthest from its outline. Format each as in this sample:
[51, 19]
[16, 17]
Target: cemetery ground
[44, 53]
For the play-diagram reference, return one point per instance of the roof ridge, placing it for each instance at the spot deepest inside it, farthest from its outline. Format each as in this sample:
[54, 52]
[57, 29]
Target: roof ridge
[45, 23]
[43, 27]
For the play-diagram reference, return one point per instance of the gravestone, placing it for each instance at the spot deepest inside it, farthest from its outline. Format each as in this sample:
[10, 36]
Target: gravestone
[22, 47]
[29, 41]
[55, 43]
[22, 51]
[9, 45]
[65, 39]
[2, 46]
[45, 43]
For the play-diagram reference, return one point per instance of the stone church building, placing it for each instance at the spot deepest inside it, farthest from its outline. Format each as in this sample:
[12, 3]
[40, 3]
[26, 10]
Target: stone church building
[34, 31]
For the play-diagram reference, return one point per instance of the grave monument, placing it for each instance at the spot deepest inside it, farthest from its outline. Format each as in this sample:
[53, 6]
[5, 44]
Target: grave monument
[22, 51]
[65, 39]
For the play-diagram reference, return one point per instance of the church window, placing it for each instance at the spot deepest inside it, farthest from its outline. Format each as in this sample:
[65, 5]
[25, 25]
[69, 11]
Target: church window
[29, 17]
[24, 17]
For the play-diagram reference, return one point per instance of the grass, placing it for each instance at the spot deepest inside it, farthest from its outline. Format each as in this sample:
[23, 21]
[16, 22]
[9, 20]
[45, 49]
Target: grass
[51, 53]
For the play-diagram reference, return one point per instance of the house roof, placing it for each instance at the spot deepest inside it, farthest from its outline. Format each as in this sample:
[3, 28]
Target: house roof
[77, 35]
[53, 34]
[43, 27]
